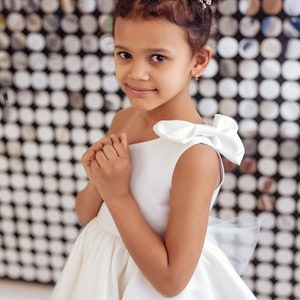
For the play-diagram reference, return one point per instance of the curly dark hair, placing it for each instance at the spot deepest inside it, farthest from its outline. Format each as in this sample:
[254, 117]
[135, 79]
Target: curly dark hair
[191, 15]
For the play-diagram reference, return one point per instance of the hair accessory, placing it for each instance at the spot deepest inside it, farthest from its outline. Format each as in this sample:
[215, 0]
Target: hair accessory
[205, 3]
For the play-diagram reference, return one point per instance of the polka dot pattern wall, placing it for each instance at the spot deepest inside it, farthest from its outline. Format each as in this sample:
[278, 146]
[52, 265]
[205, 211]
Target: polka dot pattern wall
[59, 95]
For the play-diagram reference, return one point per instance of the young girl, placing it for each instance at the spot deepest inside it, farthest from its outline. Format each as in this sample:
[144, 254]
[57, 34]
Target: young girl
[155, 177]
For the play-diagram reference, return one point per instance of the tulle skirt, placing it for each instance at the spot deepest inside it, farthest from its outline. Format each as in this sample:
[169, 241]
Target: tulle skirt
[100, 268]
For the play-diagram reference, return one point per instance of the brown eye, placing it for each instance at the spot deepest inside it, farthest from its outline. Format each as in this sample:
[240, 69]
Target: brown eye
[158, 58]
[124, 55]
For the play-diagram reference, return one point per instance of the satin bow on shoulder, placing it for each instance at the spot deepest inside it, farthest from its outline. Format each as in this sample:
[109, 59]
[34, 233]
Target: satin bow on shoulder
[222, 133]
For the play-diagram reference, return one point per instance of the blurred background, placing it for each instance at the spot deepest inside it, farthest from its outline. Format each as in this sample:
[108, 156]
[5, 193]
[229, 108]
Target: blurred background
[58, 95]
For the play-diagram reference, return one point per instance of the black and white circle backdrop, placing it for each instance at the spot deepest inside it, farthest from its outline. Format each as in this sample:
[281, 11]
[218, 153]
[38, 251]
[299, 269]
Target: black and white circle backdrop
[59, 95]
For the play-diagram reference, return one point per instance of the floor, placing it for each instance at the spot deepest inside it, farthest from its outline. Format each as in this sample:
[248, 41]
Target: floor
[15, 290]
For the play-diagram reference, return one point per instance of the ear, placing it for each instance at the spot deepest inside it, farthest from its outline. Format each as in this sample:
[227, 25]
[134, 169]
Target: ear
[201, 61]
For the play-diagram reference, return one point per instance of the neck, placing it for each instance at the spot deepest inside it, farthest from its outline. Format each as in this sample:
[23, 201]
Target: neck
[184, 110]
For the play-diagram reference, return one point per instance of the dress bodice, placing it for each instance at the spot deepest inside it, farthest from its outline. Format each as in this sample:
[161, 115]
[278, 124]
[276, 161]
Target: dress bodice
[154, 161]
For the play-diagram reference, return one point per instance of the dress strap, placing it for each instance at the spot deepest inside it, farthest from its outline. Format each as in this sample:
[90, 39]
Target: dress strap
[222, 133]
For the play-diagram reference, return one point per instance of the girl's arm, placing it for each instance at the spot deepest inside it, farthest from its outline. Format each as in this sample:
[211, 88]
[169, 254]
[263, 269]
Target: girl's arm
[88, 203]
[170, 262]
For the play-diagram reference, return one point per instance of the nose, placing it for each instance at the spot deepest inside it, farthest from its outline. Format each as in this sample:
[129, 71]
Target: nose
[138, 71]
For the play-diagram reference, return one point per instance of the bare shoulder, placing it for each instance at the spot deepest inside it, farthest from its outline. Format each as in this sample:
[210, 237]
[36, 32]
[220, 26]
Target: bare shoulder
[203, 162]
[131, 121]
[121, 121]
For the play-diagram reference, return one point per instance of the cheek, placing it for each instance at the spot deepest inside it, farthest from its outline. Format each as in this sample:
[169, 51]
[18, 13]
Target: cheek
[119, 74]
[119, 67]
[179, 76]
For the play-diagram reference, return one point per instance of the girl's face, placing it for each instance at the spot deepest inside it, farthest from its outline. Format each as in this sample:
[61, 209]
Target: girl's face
[154, 62]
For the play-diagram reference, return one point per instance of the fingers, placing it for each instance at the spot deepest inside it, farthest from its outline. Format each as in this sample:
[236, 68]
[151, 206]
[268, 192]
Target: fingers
[117, 148]
[120, 145]
[107, 149]
[123, 139]
[89, 155]
[98, 146]
[109, 167]
[108, 153]
[114, 139]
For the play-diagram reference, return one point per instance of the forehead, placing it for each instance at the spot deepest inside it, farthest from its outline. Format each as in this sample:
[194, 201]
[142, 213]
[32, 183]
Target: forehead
[156, 32]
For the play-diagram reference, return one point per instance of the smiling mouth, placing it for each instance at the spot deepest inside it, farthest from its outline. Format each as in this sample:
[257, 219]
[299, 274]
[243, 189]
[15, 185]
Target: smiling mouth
[140, 91]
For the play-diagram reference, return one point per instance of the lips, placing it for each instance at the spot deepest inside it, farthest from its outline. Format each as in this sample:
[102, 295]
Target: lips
[140, 90]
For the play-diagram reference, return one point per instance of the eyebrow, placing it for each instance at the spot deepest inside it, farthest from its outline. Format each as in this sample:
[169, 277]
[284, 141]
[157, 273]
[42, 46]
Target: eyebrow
[148, 50]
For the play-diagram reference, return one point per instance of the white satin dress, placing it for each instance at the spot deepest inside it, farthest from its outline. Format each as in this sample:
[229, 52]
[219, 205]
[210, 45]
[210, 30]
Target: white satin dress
[99, 266]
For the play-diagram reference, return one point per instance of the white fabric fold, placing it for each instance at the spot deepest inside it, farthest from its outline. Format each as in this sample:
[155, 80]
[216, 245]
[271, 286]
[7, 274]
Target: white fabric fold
[222, 133]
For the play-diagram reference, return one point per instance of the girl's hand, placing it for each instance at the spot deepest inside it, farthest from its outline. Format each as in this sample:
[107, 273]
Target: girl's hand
[109, 167]
[89, 155]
